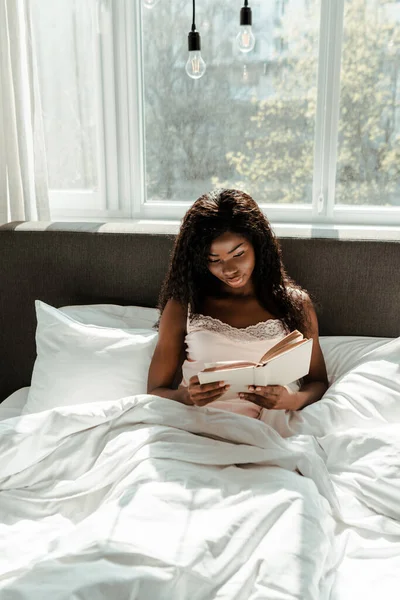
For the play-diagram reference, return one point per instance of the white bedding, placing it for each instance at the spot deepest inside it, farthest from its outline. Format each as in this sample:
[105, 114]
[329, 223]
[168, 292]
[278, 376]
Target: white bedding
[165, 501]
[143, 498]
[14, 404]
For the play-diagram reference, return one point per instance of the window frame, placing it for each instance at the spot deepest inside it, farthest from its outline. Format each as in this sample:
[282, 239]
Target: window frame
[121, 111]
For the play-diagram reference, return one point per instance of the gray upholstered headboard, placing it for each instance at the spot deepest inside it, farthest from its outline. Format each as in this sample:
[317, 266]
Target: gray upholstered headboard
[356, 283]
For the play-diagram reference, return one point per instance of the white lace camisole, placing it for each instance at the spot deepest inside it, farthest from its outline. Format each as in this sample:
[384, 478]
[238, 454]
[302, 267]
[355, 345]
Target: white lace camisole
[210, 340]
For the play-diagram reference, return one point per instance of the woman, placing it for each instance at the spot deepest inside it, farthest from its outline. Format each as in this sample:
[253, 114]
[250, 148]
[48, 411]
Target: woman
[227, 297]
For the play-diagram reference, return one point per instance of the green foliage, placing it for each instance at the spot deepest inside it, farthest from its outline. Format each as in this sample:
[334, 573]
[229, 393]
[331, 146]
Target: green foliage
[275, 164]
[190, 125]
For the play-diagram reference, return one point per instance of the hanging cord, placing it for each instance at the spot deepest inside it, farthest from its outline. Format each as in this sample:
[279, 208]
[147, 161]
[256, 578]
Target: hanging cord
[193, 21]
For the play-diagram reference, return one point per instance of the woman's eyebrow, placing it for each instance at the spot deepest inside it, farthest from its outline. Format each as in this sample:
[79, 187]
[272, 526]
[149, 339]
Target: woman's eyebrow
[230, 251]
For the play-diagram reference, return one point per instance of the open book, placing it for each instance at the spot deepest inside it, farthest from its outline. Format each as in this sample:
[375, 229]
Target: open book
[288, 360]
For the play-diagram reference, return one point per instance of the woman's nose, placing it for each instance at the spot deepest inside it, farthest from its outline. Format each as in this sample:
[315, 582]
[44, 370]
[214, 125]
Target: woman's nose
[228, 270]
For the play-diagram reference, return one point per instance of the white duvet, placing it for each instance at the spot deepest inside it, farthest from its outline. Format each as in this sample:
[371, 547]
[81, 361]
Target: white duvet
[143, 498]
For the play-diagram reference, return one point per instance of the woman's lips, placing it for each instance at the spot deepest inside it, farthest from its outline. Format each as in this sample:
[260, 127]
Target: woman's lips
[233, 280]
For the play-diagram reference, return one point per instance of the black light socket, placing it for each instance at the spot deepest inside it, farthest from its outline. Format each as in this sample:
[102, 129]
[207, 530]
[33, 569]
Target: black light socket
[245, 15]
[194, 41]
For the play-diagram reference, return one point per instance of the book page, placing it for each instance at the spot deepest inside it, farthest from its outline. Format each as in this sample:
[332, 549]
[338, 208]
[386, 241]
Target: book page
[286, 367]
[280, 370]
[223, 366]
[280, 351]
[284, 343]
[238, 379]
[239, 371]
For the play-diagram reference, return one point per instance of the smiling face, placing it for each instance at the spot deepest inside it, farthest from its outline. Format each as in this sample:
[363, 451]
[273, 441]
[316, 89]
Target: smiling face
[232, 260]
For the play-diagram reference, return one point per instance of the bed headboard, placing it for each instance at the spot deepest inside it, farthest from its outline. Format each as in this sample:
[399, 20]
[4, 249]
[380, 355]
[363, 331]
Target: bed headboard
[356, 283]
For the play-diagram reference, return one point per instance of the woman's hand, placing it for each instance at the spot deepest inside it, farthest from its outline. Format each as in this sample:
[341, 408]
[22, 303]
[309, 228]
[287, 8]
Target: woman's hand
[200, 395]
[277, 397]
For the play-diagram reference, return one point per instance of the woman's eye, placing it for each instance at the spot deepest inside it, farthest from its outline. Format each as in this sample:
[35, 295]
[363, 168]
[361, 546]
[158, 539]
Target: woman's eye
[213, 262]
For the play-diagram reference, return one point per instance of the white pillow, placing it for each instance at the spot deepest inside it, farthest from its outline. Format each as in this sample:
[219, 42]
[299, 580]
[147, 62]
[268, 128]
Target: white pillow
[367, 396]
[78, 363]
[13, 405]
[342, 352]
[113, 315]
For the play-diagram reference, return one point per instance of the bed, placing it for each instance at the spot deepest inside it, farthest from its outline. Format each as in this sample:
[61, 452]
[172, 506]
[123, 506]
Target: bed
[107, 492]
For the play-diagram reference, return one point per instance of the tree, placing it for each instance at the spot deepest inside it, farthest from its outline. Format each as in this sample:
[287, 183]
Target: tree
[369, 145]
[189, 130]
[276, 165]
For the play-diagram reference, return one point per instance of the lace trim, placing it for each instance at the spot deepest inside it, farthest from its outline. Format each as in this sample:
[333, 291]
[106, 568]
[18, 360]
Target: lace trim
[265, 329]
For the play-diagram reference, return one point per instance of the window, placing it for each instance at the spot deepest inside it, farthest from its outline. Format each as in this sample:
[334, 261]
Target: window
[74, 46]
[308, 123]
[234, 127]
[368, 170]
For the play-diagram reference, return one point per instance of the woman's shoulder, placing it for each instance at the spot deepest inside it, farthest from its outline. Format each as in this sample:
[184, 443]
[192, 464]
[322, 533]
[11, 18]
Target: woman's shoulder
[303, 301]
[306, 305]
[298, 294]
[174, 314]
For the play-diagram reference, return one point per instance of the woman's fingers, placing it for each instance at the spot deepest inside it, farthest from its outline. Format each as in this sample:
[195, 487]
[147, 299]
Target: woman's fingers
[262, 401]
[208, 392]
[208, 398]
[204, 394]
[206, 387]
[266, 391]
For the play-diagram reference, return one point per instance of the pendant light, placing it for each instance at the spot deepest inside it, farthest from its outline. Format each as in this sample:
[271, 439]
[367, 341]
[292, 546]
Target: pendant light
[150, 3]
[245, 38]
[195, 66]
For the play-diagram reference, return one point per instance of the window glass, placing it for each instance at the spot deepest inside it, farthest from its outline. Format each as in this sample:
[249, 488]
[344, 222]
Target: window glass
[65, 37]
[249, 121]
[368, 170]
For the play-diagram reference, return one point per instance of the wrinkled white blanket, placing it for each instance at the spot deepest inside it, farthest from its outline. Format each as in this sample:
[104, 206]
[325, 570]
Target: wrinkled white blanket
[142, 498]
[146, 498]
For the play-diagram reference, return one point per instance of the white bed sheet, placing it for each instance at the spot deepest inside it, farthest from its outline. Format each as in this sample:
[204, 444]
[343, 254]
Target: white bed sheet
[171, 502]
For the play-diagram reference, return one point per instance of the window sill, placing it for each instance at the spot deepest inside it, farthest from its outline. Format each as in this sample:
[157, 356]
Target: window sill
[171, 227]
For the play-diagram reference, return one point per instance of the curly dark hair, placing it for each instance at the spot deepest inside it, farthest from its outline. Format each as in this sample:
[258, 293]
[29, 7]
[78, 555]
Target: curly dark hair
[189, 280]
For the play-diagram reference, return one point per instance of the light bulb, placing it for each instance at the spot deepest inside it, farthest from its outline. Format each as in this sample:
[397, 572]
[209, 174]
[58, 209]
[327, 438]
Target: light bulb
[245, 38]
[195, 66]
[150, 3]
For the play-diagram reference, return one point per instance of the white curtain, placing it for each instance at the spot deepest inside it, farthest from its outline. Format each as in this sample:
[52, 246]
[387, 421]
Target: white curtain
[23, 166]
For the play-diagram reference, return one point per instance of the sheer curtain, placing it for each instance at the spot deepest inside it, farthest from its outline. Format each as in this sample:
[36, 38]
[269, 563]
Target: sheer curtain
[23, 165]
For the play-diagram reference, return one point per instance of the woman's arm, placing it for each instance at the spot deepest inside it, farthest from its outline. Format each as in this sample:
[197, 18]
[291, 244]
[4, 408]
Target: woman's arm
[167, 359]
[167, 355]
[316, 382]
